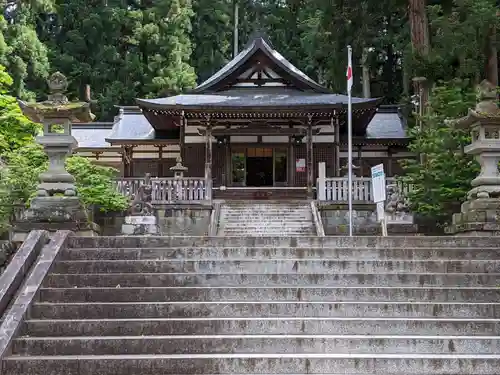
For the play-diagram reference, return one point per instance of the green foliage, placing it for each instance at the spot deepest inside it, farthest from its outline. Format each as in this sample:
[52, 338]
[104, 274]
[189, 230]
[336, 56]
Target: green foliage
[459, 34]
[21, 50]
[442, 180]
[95, 184]
[19, 178]
[16, 131]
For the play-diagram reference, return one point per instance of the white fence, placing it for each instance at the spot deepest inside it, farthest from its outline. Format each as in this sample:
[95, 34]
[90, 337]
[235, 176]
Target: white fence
[336, 189]
[167, 189]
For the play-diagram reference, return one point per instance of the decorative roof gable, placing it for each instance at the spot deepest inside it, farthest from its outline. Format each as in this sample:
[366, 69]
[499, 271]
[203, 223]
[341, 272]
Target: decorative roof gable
[259, 65]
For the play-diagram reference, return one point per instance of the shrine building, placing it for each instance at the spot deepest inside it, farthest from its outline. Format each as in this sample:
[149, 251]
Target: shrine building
[259, 123]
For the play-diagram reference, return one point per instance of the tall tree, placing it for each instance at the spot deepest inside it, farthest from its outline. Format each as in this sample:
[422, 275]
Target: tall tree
[21, 51]
[211, 36]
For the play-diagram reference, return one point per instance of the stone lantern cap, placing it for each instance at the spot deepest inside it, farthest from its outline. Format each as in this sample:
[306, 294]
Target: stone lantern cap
[486, 113]
[179, 167]
[57, 105]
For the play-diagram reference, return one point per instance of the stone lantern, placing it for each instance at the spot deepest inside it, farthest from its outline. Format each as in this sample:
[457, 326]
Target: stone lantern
[480, 214]
[56, 205]
[179, 171]
[178, 168]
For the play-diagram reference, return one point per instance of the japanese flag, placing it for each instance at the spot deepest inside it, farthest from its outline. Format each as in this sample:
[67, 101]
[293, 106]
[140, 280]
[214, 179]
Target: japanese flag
[349, 69]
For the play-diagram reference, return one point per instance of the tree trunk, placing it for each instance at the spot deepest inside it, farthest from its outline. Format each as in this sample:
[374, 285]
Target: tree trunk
[366, 74]
[491, 68]
[419, 25]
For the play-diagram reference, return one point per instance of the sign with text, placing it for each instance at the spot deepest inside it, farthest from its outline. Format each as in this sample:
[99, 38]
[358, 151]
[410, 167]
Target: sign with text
[300, 165]
[378, 183]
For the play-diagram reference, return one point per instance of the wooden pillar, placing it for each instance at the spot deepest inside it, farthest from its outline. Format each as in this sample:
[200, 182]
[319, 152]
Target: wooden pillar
[310, 159]
[291, 162]
[337, 146]
[160, 160]
[127, 159]
[182, 136]
[131, 162]
[389, 162]
[228, 169]
[208, 158]
[360, 160]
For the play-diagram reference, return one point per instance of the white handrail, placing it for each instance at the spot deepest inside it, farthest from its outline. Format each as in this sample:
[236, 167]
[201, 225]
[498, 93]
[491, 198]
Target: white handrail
[167, 189]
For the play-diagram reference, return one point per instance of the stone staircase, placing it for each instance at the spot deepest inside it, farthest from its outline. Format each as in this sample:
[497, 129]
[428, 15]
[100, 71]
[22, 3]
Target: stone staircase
[250, 218]
[296, 305]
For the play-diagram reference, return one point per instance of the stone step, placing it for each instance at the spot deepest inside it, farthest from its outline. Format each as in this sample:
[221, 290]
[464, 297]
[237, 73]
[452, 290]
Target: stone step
[290, 279]
[264, 233]
[233, 309]
[261, 326]
[329, 363]
[482, 243]
[245, 344]
[275, 216]
[234, 230]
[266, 226]
[287, 224]
[277, 266]
[264, 293]
[276, 253]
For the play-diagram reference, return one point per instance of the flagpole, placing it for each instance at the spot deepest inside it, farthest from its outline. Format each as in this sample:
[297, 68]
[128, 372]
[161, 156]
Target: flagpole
[349, 141]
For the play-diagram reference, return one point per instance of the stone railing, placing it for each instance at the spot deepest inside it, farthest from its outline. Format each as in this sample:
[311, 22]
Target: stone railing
[167, 189]
[335, 189]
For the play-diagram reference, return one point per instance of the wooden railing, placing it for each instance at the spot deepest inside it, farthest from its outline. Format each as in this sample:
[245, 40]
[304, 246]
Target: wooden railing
[167, 189]
[336, 189]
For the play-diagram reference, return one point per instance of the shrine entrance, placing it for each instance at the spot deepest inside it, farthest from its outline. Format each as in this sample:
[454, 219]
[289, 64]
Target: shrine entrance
[259, 167]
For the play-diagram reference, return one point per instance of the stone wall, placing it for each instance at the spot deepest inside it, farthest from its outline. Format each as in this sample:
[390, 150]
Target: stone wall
[336, 222]
[172, 221]
[184, 221]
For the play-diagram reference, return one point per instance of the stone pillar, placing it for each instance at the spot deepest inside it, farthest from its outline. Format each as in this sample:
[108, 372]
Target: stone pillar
[56, 205]
[208, 158]
[480, 214]
[310, 160]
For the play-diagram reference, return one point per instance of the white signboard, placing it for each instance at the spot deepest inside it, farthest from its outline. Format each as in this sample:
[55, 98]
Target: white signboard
[300, 165]
[378, 183]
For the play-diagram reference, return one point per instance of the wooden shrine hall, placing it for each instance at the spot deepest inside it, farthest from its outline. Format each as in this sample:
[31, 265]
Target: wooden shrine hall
[258, 123]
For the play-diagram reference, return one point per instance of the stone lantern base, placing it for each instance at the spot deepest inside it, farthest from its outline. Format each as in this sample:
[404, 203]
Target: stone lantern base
[53, 214]
[478, 217]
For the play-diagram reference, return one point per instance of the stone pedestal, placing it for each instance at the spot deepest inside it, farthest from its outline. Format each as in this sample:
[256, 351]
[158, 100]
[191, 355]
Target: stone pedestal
[140, 226]
[53, 214]
[480, 214]
[478, 217]
[401, 223]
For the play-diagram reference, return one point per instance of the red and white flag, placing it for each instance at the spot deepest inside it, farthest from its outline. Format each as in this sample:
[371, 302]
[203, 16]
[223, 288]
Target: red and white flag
[349, 69]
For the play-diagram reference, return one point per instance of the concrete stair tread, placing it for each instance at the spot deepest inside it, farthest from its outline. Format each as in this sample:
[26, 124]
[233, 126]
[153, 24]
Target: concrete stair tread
[277, 293]
[110, 280]
[249, 308]
[262, 356]
[261, 326]
[286, 302]
[262, 336]
[213, 344]
[287, 318]
[256, 287]
[314, 265]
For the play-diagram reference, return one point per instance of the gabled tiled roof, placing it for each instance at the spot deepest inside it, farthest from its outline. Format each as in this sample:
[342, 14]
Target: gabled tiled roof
[132, 125]
[252, 97]
[387, 123]
[259, 44]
